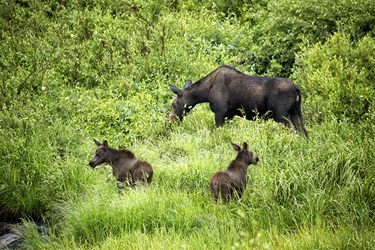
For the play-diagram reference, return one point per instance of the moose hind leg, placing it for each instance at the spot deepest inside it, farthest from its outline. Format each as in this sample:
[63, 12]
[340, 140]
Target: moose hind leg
[298, 123]
[149, 177]
[282, 117]
[141, 175]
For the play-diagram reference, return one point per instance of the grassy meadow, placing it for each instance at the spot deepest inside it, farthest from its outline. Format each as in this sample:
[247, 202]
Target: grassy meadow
[71, 71]
[303, 194]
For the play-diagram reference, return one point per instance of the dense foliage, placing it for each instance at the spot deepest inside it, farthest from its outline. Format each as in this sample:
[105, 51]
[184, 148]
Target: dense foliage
[74, 70]
[281, 28]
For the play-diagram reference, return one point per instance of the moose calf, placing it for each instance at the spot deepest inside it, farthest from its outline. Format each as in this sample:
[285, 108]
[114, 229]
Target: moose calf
[125, 167]
[225, 184]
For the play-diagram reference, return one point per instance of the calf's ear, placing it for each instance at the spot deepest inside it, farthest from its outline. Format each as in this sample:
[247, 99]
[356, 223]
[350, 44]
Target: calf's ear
[175, 90]
[235, 146]
[98, 143]
[244, 145]
[105, 144]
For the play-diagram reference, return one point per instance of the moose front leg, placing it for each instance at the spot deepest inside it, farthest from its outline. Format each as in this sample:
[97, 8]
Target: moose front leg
[220, 109]
[219, 119]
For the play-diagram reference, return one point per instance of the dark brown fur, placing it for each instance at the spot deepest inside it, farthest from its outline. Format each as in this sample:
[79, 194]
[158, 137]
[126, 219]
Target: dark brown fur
[230, 92]
[125, 166]
[226, 184]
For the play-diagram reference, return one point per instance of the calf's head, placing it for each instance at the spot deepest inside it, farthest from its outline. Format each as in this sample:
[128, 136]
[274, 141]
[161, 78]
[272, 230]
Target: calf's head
[180, 103]
[244, 155]
[101, 154]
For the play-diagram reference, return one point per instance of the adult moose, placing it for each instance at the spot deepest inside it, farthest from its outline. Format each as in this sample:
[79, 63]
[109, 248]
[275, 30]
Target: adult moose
[225, 184]
[125, 166]
[230, 92]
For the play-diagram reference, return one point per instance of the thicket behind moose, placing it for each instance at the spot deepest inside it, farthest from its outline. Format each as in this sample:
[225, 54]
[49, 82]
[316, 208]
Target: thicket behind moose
[125, 166]
[230, 92]
[225, 184]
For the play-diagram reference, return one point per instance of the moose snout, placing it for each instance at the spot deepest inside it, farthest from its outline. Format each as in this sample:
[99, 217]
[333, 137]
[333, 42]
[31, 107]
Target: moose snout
[173, 117]
[92, 164]
[256, 159]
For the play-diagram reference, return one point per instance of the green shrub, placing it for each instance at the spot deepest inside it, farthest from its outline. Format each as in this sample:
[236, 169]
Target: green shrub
[337, 78]
[280, 28]
[37, 164]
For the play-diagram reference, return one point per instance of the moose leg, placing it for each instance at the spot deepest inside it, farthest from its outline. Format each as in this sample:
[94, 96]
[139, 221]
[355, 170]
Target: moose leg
[297, 121]
[220, 113]
[141, 172]
[282, 117]
[219, 119]
[294, 119]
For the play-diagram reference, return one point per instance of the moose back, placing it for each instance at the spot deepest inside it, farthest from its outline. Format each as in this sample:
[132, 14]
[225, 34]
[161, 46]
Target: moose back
[230, 92]
[125, 166]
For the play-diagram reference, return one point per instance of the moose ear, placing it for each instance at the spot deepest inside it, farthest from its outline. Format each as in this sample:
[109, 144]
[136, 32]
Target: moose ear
[244, 145]
[105, 144]
[188, 84]
[175, 90]
[235, 146]
[98, 143]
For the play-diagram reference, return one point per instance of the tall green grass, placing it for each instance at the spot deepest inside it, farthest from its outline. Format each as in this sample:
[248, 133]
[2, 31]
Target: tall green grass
[303, 194]
[315, 193]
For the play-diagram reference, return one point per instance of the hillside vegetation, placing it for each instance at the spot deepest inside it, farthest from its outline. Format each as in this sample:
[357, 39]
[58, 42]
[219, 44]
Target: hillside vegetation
[71, 71]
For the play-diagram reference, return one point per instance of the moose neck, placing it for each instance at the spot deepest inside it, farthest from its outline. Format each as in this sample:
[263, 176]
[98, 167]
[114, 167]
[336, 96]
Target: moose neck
[239, 165]
[119, 158]
[198, 93]
[111, 155]
[240, 162]
[114, 155]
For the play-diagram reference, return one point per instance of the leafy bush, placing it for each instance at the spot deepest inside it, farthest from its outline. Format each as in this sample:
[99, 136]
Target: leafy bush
[37, 165]
[338, 77]
[280, 28]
